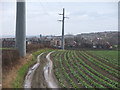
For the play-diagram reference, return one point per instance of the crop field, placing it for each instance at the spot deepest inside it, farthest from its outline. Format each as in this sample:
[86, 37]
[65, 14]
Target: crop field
[86, 69]
[109, 56]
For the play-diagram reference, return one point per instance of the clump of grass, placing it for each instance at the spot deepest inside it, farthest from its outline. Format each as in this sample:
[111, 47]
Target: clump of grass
[18, 82]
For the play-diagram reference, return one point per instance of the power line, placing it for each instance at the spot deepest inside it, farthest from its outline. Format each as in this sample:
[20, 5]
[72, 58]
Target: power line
[44, 9]
[60, 4]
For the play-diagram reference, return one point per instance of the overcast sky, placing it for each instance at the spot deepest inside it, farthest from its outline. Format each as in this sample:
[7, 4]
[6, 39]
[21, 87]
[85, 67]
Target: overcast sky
[84, 17]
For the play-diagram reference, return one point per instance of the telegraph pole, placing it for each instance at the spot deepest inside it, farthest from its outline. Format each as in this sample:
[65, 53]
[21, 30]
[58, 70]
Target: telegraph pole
[21, 28]
[63, 43]
[63, 18]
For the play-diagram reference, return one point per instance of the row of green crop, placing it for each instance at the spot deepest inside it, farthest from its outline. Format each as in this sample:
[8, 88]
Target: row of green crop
[57, 70]
[65, 72]
[78, 68]
[98, 76]
[108, 56]
[91, 74]
[113, 62]
[81, 73]
[61, 72]
[73, 69]
[100, 64]
[112, 69]
[76, 72]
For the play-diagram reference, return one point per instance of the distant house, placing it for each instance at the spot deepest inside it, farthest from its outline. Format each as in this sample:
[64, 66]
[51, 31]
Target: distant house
[55, 42]
[8, 42]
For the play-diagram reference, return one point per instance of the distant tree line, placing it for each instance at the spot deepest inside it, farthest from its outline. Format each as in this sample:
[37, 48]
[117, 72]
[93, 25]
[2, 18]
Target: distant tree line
[101, 42]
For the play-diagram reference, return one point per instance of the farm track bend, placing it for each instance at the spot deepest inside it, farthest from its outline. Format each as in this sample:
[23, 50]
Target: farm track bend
[42, 77]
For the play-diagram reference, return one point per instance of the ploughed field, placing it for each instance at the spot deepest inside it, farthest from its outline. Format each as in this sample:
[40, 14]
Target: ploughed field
[86, 69]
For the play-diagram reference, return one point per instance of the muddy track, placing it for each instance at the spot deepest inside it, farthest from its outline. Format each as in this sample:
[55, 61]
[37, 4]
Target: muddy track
[30, 74]
[42, 76]
[48, 73]
[38, 80]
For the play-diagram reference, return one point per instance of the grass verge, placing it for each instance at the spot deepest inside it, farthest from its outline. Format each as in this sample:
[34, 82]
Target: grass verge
[6, 48]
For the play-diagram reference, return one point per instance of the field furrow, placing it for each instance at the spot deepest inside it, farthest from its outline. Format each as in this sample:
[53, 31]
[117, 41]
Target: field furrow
[80, 69]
